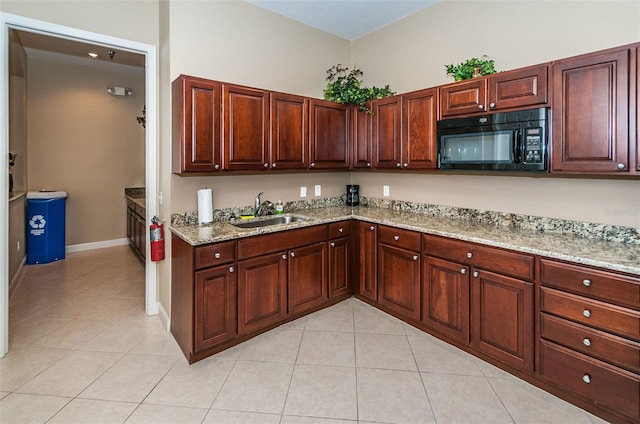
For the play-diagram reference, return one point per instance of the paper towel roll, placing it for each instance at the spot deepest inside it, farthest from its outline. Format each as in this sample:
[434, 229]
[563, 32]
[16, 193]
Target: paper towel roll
[205, 206]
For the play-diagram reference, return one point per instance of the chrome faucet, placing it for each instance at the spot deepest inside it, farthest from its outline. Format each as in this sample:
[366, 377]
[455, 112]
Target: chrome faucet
[256, 209]
[262, 208]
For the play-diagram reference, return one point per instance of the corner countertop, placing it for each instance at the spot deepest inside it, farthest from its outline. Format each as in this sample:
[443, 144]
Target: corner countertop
[604, 254]
[136, 195]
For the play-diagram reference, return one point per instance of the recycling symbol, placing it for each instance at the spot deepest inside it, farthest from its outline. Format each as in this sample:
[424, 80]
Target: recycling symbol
[37, 222]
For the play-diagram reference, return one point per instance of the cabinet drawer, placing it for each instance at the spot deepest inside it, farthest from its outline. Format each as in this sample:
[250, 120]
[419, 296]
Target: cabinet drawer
[339, 229]
[140, 210]
[399, 238]
[607, 347]
[504, 262]
[283, 240]
[604, 384]
[215, 254]
[590, 282]
[615, 319]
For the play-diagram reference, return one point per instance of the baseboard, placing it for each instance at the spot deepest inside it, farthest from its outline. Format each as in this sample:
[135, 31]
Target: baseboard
[164, 317]
[96, 245]
[13, 284]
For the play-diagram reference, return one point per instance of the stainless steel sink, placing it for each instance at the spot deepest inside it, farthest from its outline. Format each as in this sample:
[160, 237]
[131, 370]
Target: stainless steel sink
[276, 220]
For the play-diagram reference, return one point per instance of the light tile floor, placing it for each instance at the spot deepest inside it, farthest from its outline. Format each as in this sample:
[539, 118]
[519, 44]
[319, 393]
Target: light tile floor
[83, 351]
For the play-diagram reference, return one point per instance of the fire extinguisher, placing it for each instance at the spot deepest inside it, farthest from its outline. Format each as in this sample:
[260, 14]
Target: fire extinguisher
[156, 231]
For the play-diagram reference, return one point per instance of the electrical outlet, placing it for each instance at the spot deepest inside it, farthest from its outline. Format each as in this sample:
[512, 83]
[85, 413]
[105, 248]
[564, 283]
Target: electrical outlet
[385, 191]
[318, 190]
[303, 192]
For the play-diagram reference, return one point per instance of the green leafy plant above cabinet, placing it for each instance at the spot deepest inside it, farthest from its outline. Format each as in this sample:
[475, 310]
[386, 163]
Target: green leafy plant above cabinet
[345, 86]
[474, 67]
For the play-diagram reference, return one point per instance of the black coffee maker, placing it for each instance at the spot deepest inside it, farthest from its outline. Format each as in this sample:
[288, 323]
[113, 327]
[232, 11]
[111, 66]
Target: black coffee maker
[353, 195]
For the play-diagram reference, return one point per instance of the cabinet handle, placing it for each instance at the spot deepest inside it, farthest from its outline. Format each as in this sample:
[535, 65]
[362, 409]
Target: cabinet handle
[586, 313]
[480, 107]
[333, 244]
[274, 165]
[340, 230]
[621, 166]
[475, 273]
[586, 282]
[398, 165]
[372, 228]
[586, 342]
[313, 164]
[293, 254]
[217, 255]
[469, 255]
[396, 238]
[216, 167]
[492, 105]
[586, 378]
[231, 269]
[415, 257]
[463, 271]
[284, 257]
[266, 165]
[406, 165]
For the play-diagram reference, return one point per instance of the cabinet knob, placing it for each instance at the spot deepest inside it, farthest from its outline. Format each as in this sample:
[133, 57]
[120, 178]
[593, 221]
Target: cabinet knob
[284, 257]
[368, 164]
[217, 255]
[586, 282]
[293, 254]
[266, 165]
[469, 255]
[586, 313]
[333, 244]
[415, 257]
[621, 166]
[475, 273]
[586, 342]
[231, 269]
[480, 107]
[372, 228]
[340, 230]
[463, 271]
[406, 165]
[586, 378]
[396, 238]
[274, 165]
[398, 165]
[492, 105]
[313, 164]
[216, 167]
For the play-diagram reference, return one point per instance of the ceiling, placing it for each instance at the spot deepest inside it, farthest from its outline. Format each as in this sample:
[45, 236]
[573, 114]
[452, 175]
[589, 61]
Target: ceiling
[349, 19]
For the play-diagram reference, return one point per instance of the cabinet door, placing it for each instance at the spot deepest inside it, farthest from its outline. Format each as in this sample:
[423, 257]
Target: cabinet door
[340, 267]
[637, 120]
[262, 292]
[518, 89]
[196, 125]
[361, 139]
[246, 128]
[215, 306]
[419, 112]
[591, 113]
[502, 317]
[131, 223]
[307, 277]
[463, 98]
[367, 260]
[329, 135]
[445, 298]
[142, 237]
[399, 280]
[387, 133]
[289, 132]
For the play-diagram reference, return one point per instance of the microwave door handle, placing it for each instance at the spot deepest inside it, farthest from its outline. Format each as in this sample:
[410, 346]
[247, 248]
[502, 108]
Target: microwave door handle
[516, 146]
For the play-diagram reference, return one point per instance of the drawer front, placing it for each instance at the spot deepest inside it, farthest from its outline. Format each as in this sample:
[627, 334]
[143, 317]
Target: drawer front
[615, 319]
[604, 384]
[280, 241]
[399, 238]
[339, 229]
[444, 248]
[215, 254]
[590, 282]
[607, 347]
[140, 210]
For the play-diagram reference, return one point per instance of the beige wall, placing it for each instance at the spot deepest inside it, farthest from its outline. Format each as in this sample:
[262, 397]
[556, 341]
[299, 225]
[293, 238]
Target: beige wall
[411, 54]
[85, 141]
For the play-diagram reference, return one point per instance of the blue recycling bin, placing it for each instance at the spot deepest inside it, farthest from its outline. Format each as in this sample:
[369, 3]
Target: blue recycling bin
[45, 226]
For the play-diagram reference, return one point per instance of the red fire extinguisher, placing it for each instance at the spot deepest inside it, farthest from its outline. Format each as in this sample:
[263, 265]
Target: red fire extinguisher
[157, 239]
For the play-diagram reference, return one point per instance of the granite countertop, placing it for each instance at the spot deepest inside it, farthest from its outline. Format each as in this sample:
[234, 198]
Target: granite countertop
[136, 195]
[616, 256]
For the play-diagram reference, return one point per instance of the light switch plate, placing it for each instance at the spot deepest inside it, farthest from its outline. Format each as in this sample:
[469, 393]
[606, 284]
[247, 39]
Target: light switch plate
[303, 192]
[385, 191]
[318, 190]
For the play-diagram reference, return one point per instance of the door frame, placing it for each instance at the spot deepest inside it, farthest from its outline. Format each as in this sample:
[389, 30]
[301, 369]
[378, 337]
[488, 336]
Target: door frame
[10, 21]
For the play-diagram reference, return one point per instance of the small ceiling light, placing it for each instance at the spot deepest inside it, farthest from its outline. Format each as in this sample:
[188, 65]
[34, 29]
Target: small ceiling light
[120, 91]
[93, 55]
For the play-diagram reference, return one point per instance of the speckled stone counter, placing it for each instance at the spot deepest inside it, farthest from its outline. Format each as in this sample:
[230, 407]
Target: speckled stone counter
[599, 251]
[136, 195]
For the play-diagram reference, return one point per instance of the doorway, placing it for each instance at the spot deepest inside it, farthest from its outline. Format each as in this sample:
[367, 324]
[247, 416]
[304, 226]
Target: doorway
[9, 22]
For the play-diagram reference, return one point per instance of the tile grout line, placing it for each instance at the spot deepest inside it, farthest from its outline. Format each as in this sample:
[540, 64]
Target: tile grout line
[424, 387]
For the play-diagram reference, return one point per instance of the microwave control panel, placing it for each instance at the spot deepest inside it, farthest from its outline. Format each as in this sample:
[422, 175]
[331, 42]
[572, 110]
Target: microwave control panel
[533, 145]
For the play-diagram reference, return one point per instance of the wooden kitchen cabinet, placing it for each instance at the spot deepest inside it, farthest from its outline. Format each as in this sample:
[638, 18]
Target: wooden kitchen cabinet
[516, 89]
[367, 242]
[361, 141]
[245, 114]
[215, 306]
[399, 271]
[635, 133]
[330, 135]
[289, 142]
[419, 143]
[387, 132]
[196, 145]
[340, 257]
[307, 277]
[137, 229]
[590, 107]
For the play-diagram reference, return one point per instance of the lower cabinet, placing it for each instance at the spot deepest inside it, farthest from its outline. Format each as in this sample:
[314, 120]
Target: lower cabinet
[367, 243]
[215, 306]
[340, 256]
[307, 276]
[137, 228]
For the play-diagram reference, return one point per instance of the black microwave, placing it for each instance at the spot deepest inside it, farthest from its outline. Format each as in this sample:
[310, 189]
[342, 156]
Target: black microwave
[508, 141]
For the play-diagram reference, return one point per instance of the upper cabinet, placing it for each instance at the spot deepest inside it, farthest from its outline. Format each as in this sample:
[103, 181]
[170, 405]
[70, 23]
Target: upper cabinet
[330, 135]
[636, 89]
[289, 131]
[521, 88]
[196, 125]
[361, 139]
[591, 113]
[419, 115]
[387, 133]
